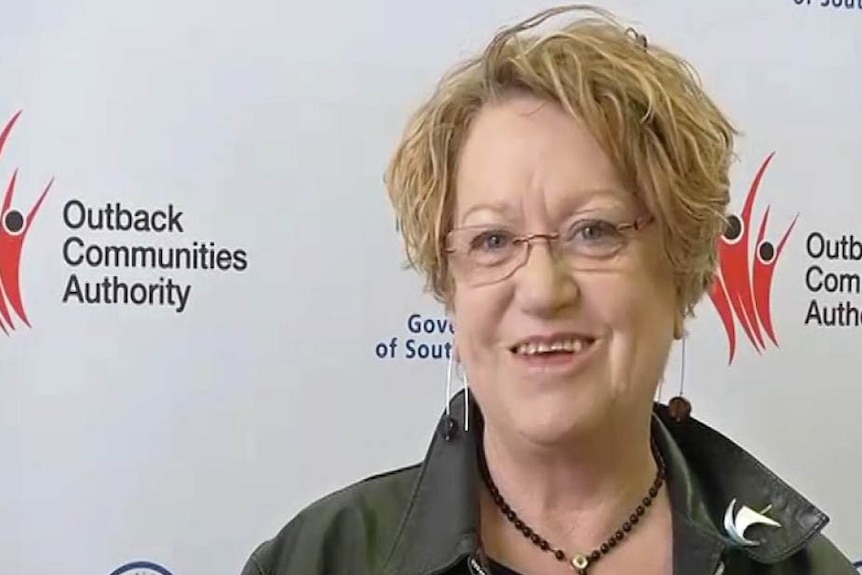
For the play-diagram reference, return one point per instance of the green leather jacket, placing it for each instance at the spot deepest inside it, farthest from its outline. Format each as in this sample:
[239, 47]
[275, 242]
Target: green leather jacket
[423, 520]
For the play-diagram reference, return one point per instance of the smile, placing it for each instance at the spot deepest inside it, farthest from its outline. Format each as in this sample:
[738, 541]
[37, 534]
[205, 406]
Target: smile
[558, 353]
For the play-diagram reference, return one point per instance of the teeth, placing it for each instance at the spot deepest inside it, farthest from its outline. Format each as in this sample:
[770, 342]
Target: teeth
[573, 345]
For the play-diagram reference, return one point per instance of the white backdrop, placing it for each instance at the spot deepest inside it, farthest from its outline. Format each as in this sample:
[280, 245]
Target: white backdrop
[183, 434]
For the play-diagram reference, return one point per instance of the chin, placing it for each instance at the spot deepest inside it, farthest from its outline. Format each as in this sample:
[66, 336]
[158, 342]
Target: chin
[550, 419]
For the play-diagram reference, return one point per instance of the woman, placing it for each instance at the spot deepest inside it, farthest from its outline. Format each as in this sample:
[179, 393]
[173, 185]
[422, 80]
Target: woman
[564, 194]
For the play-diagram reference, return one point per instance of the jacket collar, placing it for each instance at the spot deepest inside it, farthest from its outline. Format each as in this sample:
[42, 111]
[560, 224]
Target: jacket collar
[705, 473]
[710, 477]
[441, 525]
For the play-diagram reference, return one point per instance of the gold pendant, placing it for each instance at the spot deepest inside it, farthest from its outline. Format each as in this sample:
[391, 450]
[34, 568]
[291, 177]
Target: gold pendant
[580, 564]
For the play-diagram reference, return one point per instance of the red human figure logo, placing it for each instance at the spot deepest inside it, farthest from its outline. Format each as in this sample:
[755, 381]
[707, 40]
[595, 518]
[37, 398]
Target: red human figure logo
[14, 226]
[742, 290]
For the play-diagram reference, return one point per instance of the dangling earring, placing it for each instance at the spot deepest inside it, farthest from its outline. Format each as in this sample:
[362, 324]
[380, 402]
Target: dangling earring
[679, 407]
[449, 369]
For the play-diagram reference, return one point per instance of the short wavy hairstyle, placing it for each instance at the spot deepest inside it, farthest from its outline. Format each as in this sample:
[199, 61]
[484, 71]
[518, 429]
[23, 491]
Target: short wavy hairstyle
[646, 106]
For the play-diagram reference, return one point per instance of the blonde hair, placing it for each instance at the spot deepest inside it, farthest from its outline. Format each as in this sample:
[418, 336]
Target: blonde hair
[670, 143]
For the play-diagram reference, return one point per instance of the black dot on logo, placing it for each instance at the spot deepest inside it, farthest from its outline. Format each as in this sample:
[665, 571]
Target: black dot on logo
[733, 229]
[13, 221]
[766, 251]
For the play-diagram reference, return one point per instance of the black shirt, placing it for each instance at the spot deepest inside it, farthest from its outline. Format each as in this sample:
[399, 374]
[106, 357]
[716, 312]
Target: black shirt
[498, 569]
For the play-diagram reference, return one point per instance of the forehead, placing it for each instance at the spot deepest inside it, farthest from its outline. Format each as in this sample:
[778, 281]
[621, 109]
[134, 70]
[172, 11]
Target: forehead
[526, 154]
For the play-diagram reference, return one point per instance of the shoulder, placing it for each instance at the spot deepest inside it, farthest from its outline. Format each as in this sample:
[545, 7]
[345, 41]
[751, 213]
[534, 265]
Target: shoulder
[712, 480]
[819, 557]
[351, 528]
[822, 557]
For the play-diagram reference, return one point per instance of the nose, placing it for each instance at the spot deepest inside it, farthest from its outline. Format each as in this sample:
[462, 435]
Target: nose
[544, 284]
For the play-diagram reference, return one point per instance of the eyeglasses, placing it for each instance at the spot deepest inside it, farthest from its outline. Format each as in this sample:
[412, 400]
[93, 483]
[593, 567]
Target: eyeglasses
[481, 255]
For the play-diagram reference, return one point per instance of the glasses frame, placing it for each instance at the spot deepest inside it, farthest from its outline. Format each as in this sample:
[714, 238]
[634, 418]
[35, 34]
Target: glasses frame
[633, 225]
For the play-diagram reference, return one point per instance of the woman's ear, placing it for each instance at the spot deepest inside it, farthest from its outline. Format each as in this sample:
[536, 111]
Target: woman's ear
[678, 327]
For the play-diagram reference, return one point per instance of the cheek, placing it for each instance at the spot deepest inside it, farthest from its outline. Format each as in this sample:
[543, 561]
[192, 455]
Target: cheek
[476, 314]
[638, 331]
[637, 309]
[615, 302]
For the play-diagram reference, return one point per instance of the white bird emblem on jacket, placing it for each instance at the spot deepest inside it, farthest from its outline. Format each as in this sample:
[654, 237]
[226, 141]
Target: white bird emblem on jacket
[745, 518]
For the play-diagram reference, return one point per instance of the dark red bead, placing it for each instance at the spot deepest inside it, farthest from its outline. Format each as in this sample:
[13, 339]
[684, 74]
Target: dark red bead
[595, 556]
[605, 548]
[560, 555]
[679, 409]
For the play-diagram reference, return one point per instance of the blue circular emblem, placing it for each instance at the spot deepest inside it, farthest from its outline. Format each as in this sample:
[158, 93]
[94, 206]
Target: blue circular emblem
[141, 568]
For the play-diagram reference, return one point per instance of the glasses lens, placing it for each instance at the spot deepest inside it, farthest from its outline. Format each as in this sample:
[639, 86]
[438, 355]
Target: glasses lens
[483, 255]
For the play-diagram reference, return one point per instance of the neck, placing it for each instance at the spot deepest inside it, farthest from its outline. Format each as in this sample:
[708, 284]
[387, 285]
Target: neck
[578, 493]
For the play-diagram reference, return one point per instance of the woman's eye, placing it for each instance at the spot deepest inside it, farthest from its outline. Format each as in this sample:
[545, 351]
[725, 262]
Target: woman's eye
[491, 240]
[594, 230]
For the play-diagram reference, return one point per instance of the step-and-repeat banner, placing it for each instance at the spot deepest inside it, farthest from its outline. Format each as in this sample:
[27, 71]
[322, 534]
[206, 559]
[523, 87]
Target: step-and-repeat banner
[204, 320]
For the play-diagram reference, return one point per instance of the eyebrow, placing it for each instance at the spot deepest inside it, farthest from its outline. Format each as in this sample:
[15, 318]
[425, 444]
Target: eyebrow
[503, 209]
[583, 198]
